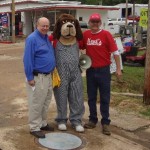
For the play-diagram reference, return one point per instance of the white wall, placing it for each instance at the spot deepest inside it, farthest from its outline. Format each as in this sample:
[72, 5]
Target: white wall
[138, 8]
[7, 8]
[117, 13]
[114, 14]
[27, 25]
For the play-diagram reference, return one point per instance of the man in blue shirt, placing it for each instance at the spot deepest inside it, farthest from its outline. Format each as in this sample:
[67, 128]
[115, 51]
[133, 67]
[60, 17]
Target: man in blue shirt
[39, 62]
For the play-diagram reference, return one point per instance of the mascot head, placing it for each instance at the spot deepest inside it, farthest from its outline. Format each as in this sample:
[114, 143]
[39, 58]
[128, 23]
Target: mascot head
[67, 28]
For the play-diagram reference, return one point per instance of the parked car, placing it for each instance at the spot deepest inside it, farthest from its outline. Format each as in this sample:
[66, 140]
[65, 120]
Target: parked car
[83, 25]
[119, 21]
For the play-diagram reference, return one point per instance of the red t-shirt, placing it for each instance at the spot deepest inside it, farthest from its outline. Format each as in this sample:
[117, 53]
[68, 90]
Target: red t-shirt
[99, 47]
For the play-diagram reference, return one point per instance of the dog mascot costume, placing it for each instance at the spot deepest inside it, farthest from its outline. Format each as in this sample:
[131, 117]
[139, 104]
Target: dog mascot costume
[66, 35]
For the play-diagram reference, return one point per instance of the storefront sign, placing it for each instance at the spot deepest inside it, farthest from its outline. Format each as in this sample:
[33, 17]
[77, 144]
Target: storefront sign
[144, 18]
[3, 20]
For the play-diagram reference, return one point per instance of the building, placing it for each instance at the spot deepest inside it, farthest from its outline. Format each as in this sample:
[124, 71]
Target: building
[121, 13]
[28, 11]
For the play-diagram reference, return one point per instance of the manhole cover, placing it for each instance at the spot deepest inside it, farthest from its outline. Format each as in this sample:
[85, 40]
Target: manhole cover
[63, 141]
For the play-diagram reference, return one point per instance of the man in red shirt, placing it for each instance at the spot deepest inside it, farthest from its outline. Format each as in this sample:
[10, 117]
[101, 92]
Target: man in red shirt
[99, 45]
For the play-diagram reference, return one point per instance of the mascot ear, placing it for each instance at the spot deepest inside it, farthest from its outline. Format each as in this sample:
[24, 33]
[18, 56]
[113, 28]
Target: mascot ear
[57, 28]
[79, 34]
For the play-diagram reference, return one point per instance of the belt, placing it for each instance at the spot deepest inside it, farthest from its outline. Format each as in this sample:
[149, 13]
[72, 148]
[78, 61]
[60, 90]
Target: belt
[44, 73]
[99, 68]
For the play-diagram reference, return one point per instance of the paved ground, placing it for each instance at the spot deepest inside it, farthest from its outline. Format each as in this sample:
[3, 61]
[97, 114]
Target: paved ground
[129, 131]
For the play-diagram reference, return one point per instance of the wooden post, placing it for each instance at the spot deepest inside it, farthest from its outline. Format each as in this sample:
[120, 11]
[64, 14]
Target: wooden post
[126, 13]
[146, 94]
[133, 37]
[13, 21]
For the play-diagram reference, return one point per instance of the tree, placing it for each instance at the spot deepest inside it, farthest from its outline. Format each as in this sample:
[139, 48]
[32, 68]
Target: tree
[92, 2]
[146, 94]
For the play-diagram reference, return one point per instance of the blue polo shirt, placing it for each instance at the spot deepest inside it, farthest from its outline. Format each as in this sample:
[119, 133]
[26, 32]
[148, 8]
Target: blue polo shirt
[38, 55]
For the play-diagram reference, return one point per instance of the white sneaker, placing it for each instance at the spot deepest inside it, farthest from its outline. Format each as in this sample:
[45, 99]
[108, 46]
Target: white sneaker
[79, 128]
[62, 127]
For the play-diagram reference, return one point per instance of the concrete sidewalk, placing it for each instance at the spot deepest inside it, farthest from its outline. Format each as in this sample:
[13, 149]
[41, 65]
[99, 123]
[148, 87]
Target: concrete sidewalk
[18, 137]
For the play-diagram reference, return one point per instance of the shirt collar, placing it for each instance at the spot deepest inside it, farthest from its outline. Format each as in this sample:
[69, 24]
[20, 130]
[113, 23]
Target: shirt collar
[41, 35]
[97, 31]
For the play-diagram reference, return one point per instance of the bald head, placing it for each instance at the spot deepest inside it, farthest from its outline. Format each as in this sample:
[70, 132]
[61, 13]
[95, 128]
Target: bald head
[42, 19]
[43, 25]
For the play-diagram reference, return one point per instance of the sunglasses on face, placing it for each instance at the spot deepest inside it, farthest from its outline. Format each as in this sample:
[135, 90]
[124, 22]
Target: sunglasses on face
[95, 21]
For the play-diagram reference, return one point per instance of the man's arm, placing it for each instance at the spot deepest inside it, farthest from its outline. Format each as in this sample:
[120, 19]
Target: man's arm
[118, 66]
[28, 61]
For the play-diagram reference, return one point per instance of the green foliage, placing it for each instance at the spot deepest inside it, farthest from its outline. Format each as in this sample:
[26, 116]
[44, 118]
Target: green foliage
[146, 112]
[92, 2]
[85, 88]
[132, 80]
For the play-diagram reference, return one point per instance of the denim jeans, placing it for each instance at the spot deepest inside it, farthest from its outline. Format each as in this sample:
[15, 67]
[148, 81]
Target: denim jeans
[99, 79]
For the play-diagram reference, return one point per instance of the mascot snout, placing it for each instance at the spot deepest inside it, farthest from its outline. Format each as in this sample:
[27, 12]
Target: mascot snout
[68, 29]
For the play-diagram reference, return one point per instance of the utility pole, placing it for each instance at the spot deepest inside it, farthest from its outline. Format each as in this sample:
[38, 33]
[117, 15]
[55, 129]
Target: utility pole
[146, 94]
[133, 20]
[13, 20]
[126, 13]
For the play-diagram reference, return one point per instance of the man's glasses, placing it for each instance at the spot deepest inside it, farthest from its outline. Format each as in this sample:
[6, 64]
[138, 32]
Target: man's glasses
[45, 26]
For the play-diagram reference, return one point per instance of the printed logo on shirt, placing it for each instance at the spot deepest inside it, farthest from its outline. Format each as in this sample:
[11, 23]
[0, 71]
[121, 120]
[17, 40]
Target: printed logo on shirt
[97, 42]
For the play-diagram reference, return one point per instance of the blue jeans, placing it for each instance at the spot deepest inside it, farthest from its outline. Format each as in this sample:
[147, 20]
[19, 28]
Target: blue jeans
[99, 78]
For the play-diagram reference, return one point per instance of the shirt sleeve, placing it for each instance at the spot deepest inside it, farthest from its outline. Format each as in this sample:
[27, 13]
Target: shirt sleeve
[52, 40]
[82, 44]
[112, 46]
[28, 58]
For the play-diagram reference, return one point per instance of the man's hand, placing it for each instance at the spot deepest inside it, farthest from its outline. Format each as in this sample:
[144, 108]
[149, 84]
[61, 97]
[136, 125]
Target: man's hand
[31, 83]
[119, 73]
[118, 66]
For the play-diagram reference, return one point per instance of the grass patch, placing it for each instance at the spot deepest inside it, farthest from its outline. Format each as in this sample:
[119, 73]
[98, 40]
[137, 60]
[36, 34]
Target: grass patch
[127, 104]
[132, 81]
[85, 91]
[85, 88]
[146, 112]
[140, 53]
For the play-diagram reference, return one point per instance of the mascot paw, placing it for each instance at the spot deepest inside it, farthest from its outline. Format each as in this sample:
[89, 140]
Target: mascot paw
[62, 127]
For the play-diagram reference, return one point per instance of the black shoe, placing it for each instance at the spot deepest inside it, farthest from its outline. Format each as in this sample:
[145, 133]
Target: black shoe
[47, 128]
[38, 134]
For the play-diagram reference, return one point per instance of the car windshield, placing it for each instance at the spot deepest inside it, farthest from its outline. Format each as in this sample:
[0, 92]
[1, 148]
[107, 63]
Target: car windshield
[83, 25]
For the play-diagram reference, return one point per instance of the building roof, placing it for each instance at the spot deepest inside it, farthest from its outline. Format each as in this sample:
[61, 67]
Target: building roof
[61, 6]
[2, 3]
[131, 5]
[51, 5]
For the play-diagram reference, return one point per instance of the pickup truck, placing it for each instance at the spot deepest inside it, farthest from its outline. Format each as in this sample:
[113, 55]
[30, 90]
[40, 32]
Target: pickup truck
[119, 21]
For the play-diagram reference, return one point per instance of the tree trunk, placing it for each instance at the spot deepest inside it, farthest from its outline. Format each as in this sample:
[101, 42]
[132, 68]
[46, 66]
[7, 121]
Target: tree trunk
[146, 94]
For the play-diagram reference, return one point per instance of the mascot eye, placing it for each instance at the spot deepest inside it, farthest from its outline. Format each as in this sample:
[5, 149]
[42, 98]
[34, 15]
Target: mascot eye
[72, 22]
[63, 22]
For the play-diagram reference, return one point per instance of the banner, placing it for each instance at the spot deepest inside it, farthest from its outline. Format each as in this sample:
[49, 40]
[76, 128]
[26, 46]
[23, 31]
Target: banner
[143, 17]
[3, 20]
